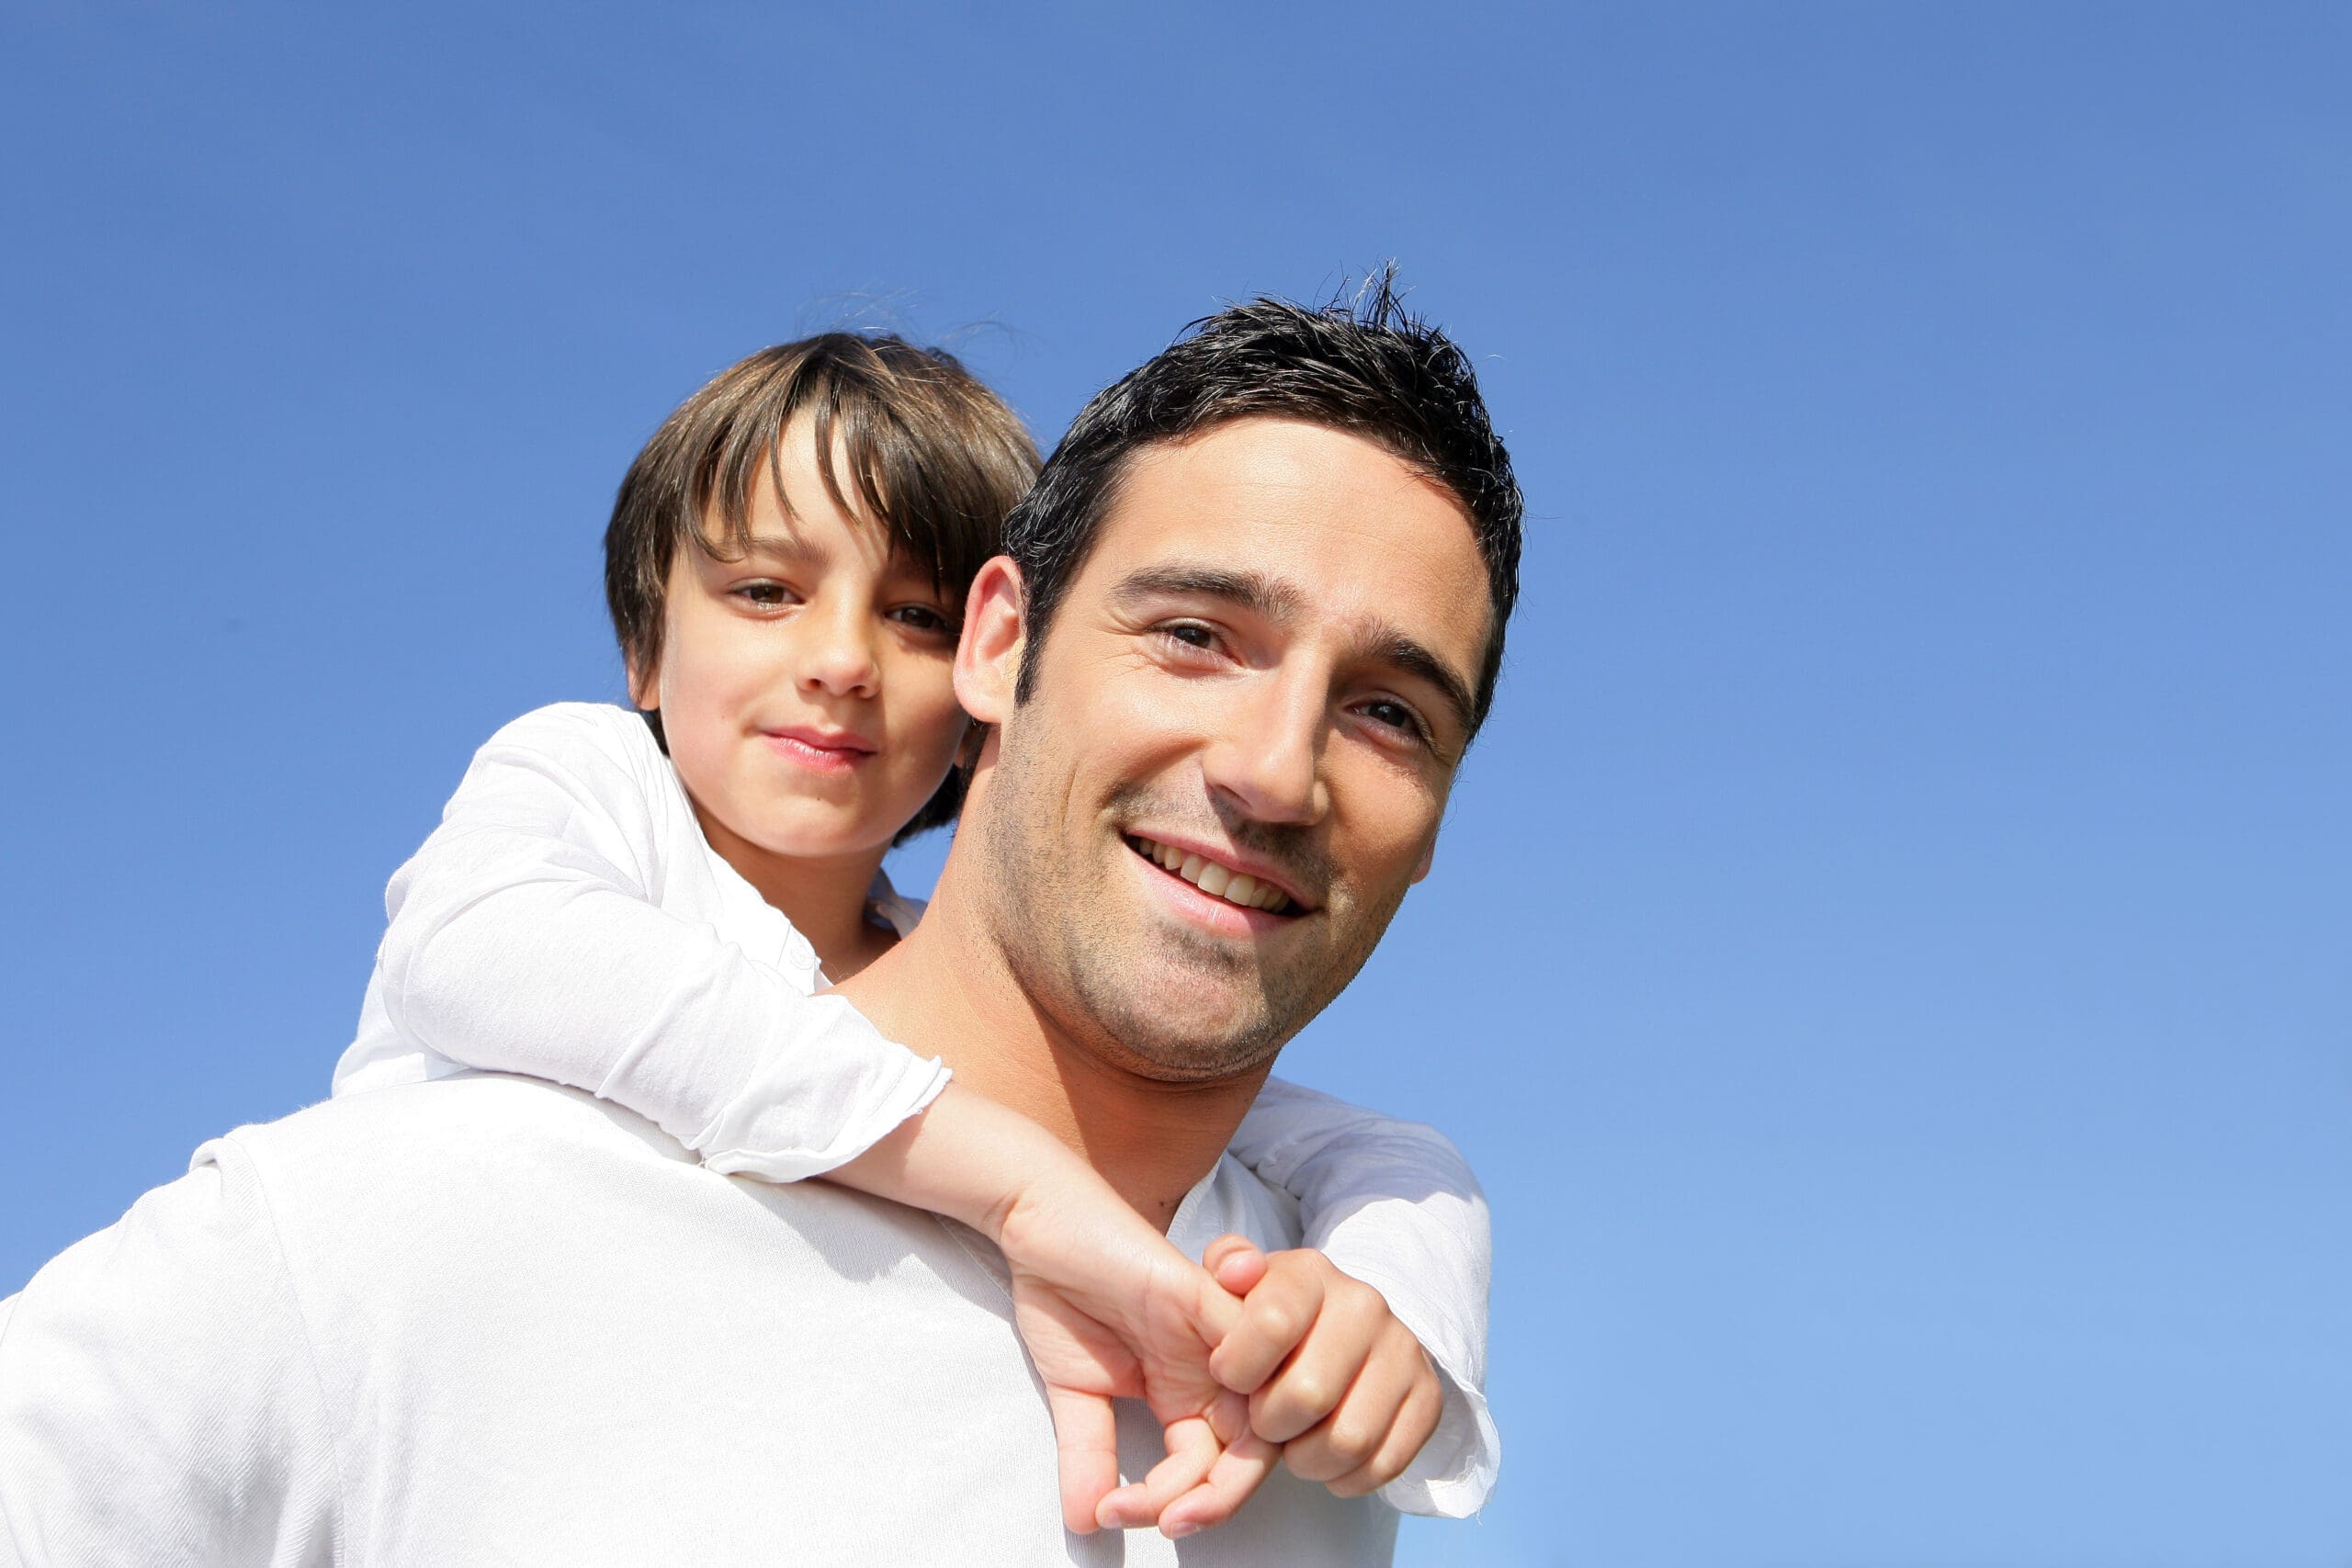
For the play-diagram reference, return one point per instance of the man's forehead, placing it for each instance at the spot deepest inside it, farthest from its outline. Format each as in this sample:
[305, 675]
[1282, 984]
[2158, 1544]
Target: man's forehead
[1313, 513]
[1274, 455]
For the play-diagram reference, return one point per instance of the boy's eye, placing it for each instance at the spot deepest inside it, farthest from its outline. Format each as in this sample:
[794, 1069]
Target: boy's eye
[766, 595]
[922, 617]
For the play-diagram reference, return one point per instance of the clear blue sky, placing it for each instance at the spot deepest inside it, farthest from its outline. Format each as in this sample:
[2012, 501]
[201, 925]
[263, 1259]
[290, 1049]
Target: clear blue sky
[1891, 957]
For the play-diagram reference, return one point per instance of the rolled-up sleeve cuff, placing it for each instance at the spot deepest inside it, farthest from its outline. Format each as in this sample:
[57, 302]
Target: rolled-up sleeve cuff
[827, 1093]
[1453, 1474]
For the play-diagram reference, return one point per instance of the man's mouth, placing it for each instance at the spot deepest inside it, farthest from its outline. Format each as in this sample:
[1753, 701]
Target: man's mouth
[1219, 881]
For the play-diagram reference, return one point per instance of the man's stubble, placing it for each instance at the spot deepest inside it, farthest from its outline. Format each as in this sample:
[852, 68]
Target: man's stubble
[1128, 985]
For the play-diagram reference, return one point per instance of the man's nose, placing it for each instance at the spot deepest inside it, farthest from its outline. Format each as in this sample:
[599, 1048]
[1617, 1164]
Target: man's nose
[838, 655]
[1267, 755]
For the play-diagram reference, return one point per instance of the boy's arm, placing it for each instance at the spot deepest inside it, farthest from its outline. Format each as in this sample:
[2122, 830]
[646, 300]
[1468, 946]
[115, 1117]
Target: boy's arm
[526, 937]
[1394, 1204]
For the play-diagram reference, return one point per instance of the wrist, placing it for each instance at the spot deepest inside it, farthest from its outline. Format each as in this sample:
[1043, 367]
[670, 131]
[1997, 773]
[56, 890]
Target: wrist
[969, 1159]
[1058, 1195]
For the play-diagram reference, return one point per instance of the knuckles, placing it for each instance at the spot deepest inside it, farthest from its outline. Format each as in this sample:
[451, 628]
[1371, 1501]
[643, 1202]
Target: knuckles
[1297, 1403]
[1355, 1440]
[1281, 1321]
[1315, 1462]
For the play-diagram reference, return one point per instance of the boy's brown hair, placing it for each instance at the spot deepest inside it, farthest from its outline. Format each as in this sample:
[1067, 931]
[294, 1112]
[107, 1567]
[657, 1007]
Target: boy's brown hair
[932, 455]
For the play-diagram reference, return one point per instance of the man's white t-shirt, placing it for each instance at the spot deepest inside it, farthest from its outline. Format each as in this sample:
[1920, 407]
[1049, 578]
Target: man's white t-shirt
[491, 1320]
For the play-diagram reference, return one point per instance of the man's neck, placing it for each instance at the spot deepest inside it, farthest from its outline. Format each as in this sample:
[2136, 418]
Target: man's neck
[946, 990]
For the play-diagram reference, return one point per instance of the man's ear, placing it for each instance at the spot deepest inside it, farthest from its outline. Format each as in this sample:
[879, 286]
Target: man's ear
[1429, 857]
[987, 656]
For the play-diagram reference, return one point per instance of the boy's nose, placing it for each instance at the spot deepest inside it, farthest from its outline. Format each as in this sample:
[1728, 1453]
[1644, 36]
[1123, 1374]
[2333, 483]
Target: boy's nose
[839, 658]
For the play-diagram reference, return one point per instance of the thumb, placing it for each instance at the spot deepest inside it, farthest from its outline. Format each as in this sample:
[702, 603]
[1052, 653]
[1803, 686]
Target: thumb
[1236, 1263]
[1086, 1443]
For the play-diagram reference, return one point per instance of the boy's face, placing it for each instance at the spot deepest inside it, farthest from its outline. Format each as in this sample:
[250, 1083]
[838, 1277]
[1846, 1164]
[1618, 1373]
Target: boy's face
[806, 690]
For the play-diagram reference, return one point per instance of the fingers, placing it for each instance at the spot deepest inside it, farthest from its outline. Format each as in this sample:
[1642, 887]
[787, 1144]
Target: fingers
[1240, 1471]
[1415, 1424]
[1127, 1508]
[1236, 1262]
[1275, 1317]
[1333, 1377]
[1192, 1453]
[1379, 1424]
[1348, 1326]
[1086, 1441]
[1216, 1309]
[1202, 1482]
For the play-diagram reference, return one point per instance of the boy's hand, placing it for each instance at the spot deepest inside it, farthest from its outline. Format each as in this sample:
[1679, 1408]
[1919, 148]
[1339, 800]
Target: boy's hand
[1107, 1308]
[1331, 1375]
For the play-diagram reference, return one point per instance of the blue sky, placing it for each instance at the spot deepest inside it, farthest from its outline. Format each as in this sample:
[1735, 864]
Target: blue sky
[1888, 956]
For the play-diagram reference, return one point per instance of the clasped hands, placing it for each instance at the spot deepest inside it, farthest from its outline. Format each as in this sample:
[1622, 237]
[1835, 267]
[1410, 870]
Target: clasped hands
[1252, 1361]
[1246, 1359]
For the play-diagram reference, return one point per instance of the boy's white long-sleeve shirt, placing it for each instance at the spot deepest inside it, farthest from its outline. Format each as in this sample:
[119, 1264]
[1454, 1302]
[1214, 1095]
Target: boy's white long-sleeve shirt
[568, 920]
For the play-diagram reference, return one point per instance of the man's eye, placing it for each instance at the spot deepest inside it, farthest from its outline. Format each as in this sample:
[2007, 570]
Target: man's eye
[1395, 715]
[1191, 634]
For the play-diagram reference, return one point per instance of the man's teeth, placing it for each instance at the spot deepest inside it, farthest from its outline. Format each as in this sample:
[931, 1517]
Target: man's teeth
[1215, 879]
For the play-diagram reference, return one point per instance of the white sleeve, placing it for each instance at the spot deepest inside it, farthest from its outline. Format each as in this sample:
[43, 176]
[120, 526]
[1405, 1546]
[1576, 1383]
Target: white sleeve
[1394, 1204]
[525, 938]
[158, 1399]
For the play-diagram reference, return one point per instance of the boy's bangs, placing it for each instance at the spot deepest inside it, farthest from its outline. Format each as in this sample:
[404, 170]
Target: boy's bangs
[907, 439]
[938, 512]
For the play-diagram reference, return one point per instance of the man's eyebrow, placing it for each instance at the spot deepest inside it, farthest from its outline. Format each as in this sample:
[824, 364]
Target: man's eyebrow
[1415, 659]
[1278, 602]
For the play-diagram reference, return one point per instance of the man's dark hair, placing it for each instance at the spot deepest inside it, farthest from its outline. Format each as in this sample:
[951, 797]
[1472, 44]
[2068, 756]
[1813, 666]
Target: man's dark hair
[927, 452]
[1363, 365]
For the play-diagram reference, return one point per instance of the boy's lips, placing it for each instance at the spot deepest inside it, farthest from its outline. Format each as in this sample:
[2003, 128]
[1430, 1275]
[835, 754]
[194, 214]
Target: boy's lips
[827, 751]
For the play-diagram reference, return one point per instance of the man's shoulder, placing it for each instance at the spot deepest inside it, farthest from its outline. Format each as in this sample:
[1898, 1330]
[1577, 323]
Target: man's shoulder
[406, 1214]
[471, 1148]
[466, 1116]
[479, 1162]
[1233, 1199]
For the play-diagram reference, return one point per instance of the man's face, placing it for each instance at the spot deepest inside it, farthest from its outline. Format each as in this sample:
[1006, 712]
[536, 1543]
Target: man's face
[1246, 716]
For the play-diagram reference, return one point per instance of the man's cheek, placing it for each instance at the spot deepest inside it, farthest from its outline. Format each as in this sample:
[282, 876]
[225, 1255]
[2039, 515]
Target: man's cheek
[1149, 700]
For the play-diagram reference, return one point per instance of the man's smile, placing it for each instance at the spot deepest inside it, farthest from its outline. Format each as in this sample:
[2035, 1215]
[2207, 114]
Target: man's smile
[1256, 890]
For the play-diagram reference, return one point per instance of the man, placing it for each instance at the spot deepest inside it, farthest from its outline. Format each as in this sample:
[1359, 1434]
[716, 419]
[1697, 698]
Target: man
[1249, 620]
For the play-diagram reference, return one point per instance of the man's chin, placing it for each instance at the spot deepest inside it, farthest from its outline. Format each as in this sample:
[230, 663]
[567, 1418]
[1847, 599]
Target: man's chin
[1189, 1029]
[1171, 1061]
